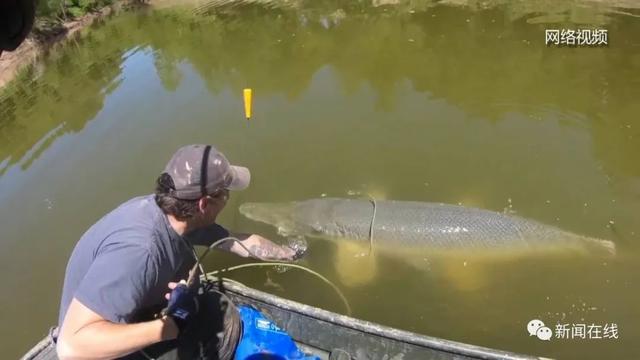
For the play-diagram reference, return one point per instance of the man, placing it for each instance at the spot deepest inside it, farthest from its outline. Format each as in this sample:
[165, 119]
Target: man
[123, 266]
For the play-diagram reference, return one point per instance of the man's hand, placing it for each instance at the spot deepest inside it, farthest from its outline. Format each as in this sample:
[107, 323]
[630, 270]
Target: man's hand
[183, 304]
[267, 250]
[258, 247]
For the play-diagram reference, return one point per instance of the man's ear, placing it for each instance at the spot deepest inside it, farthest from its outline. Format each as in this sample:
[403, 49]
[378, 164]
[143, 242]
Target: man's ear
[203, 203]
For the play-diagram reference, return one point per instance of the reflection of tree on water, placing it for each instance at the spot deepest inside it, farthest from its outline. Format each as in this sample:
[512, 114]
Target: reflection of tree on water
[67, 94]
[479, 60]
[168, 72]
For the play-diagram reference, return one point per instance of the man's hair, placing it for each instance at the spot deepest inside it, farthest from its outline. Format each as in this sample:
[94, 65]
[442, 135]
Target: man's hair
[179, 208]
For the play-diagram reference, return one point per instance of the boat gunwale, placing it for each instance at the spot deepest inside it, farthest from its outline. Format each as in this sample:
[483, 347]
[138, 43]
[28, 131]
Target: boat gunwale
[371, 328]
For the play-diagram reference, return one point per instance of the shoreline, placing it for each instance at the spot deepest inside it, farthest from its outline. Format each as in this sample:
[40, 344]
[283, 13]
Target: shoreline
[38, 45]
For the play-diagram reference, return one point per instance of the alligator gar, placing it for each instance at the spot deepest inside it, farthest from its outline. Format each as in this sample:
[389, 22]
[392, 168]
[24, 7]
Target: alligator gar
[419, 225]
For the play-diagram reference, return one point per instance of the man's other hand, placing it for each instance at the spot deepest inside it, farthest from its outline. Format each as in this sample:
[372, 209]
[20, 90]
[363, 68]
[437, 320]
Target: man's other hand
[183, 304]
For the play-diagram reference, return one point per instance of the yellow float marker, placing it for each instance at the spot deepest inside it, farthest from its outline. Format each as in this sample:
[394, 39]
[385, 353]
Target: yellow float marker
[247, 103]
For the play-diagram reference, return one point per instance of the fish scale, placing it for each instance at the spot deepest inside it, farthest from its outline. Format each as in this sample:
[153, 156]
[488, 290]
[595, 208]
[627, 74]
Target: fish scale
[439, 225]
[412, 224]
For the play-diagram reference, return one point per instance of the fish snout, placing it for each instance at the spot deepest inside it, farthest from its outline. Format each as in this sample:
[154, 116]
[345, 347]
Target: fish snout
[246, 208]
[272, 214]
[251, 211]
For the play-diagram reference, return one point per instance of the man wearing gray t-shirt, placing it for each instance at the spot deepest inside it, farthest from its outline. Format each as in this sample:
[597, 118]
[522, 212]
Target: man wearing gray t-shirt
[122, 268]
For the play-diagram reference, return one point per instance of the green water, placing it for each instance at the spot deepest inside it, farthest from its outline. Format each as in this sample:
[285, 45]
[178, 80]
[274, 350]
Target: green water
[424, 102]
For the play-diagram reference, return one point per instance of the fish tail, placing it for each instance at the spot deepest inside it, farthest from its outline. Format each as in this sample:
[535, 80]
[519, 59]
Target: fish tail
[606, 246]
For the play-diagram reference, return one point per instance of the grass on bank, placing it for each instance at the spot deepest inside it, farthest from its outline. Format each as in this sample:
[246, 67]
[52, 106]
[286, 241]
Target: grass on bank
[65, 10]
[51, 15]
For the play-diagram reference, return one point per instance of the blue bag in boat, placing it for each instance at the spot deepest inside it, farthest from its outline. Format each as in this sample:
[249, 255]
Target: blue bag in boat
[262, 339]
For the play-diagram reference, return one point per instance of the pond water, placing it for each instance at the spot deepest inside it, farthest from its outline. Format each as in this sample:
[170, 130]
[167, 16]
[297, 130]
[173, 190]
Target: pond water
[456, 102]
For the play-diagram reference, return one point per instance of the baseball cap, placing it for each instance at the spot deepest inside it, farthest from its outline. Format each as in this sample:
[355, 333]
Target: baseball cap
[200, 170]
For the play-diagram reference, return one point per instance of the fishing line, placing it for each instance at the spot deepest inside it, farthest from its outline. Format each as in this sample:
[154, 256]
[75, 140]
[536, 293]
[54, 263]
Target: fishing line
[373, 219]
[295, 266]
[193, 274]
[198, 265]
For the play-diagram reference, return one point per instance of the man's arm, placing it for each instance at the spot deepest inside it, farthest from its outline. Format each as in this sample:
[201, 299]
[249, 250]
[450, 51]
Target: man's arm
[258, 247]
[87, 335]
[255, 246]
[111, 292]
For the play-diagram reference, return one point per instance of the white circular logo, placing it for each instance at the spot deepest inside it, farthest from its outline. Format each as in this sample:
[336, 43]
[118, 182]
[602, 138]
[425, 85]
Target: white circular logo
[536, 328]
[533, 326]
[544, 333]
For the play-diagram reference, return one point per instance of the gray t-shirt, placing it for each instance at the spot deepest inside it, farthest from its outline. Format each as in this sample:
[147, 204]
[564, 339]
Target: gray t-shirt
[121, 266]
